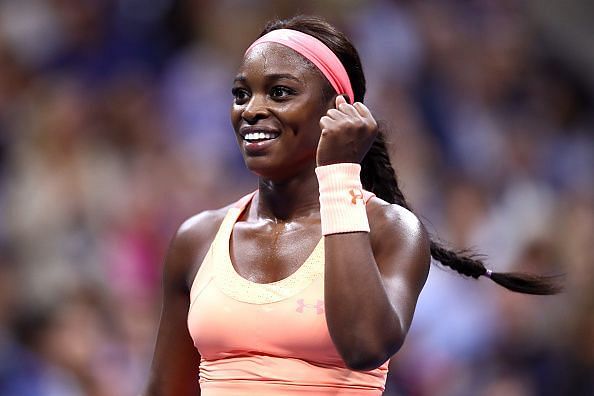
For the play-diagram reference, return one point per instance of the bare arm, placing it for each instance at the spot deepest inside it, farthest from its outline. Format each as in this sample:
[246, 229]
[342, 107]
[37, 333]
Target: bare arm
[174, 371]
[372, 282]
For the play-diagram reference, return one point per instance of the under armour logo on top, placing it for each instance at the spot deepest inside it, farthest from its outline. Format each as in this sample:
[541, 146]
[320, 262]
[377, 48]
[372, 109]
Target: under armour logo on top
[356, 194]
[319, 306]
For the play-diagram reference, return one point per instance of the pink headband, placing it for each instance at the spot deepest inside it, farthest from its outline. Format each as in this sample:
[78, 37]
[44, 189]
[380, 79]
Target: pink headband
[315, 51]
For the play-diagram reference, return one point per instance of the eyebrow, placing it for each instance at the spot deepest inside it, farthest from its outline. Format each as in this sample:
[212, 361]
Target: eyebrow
[272, 76]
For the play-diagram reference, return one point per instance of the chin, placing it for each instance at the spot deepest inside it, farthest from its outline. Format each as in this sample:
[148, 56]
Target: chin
[267, 174]
[261, 167]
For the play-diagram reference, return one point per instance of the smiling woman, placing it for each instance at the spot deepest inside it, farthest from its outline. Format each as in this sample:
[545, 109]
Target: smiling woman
[279, 97]
[309, 284]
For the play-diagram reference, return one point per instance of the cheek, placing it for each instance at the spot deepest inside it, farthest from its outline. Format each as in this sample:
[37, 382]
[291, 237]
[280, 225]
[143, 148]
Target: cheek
[307, 134]
[310, 126]
[305, 120]
[313, 128]
[235, 116]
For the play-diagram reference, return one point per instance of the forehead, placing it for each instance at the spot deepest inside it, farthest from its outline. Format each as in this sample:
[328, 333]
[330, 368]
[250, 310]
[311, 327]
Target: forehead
[274, 58]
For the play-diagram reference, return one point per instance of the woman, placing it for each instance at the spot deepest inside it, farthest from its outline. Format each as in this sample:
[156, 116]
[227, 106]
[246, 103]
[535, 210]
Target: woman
[308, 285]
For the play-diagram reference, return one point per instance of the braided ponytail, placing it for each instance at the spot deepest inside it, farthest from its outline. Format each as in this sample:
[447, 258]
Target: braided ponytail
[378, 176]
[377, 173]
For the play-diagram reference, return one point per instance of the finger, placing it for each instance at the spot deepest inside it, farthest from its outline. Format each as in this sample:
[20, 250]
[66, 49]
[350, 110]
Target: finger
[327, 122]
[339, 100]
[366, 115]
[345, 107]
[362, 110]
[335, 114]
[348, 109]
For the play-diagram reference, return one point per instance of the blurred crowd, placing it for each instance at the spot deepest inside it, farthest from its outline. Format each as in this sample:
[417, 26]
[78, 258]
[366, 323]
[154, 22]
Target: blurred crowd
[114, 128]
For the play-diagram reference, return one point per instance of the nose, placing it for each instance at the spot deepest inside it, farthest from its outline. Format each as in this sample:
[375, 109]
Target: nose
[255, 109]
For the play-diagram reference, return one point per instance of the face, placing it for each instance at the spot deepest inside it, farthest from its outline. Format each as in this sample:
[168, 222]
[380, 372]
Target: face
[278, 100]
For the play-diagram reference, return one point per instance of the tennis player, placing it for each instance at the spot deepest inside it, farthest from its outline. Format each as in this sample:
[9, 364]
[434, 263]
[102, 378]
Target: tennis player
[308, 285]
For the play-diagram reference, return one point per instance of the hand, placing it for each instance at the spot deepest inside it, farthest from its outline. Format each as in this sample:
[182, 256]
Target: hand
[347, 133]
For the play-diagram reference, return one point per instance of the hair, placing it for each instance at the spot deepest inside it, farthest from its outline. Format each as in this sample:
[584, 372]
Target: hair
[379, 177]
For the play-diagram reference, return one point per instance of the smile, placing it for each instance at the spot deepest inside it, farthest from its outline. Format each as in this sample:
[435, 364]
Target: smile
[254, 137]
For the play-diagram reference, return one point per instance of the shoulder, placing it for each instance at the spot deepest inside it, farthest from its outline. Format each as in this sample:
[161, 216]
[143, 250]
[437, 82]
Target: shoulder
[200, 227]
[384, 216]
[189, 245]
[395, 227]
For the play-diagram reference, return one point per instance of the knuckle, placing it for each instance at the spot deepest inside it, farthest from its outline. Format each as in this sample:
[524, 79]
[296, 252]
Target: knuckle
[358, 123]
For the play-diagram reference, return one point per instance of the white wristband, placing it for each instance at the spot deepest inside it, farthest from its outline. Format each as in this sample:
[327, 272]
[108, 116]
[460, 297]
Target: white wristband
[342, 206]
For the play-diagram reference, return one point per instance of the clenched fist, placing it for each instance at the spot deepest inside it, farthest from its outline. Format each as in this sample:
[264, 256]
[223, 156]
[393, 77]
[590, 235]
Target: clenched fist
[347, 133]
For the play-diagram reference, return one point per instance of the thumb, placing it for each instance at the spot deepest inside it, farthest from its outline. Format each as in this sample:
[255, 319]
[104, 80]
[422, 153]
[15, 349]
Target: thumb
[340, 100]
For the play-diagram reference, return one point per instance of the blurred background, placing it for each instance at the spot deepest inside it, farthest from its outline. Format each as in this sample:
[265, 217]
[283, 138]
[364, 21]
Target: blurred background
[114, 128]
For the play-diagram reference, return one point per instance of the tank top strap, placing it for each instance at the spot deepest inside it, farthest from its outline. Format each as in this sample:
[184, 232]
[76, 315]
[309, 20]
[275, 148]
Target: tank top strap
[226, 227]
[207, 270]
[242, 202]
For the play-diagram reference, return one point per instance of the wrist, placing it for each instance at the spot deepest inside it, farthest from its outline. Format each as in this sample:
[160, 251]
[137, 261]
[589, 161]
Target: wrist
[342, 206]
[320, 161]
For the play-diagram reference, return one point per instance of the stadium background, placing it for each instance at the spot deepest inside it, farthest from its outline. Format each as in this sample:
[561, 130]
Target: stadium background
[114, 128]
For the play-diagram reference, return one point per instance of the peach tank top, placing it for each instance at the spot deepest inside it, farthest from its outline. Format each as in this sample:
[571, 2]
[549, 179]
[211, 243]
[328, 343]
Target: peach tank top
[267, 339]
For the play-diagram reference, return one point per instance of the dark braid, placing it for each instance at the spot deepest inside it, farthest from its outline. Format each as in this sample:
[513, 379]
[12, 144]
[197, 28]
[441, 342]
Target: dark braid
[376, 169]
[378, 176]
[377, 173]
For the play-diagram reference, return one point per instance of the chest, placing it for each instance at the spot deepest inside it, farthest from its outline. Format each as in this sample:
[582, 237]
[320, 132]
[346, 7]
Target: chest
[295, 326]
[271, 252]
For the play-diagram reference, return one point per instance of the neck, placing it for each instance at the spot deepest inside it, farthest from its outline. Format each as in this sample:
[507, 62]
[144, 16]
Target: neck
[282, 201]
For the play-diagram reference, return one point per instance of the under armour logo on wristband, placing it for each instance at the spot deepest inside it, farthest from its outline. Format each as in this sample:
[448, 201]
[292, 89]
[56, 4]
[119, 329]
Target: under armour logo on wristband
[356, 194]
[319, 306]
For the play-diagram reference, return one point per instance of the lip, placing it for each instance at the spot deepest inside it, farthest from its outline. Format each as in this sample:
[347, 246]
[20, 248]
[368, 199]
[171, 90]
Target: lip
[254, 148]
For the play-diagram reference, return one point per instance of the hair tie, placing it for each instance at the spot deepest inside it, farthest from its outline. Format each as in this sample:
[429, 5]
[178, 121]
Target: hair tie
[488, 273]
[316, 52]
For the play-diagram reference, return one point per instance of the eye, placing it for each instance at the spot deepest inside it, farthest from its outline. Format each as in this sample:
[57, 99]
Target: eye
[280, 92]
[240, 95]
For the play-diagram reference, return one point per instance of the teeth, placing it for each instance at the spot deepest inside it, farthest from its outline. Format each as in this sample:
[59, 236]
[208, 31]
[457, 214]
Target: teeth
[259, 136]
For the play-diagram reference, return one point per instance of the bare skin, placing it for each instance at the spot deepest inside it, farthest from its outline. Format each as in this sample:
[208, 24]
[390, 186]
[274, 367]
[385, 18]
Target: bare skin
[372, 280]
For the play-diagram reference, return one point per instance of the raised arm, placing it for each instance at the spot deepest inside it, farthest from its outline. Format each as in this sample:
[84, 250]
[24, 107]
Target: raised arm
[174, 370]
[372, 280]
